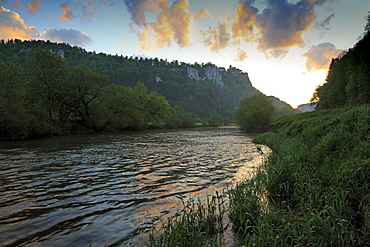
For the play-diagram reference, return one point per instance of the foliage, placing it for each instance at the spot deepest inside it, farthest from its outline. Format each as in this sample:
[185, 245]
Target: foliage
[347, 82]
[313, 189]
[53, 99]
[199, 98]
[319, 169]
[255, 113]
[197, 224]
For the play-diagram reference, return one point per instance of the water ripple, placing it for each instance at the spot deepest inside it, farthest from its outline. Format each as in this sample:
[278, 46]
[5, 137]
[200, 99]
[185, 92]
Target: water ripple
[109, 189]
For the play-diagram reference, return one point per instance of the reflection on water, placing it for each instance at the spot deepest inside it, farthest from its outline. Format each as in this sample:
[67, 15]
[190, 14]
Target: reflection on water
[108, 190]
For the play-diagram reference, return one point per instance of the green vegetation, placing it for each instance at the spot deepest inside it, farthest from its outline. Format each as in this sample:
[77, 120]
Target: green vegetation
[169, 79]
[197, 224]
[347, 83]
[255, 113]
[312, 191]
[53, 99]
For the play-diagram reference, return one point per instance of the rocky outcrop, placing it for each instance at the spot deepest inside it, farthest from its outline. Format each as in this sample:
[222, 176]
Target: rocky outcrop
[213, 73]
[158, 79]
[306, 107]
[57, 51]
[193, 73]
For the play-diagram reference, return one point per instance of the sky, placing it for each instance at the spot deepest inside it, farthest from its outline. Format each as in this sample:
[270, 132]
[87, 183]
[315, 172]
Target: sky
[285, 46]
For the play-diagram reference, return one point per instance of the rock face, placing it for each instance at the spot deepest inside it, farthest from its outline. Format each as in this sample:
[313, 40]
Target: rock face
[158, 79]
[58, 51]
[211, 73]
[193, 73]
[306, 107]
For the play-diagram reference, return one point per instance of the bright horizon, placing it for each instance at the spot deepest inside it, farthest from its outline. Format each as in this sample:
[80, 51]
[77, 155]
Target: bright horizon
[285, 46]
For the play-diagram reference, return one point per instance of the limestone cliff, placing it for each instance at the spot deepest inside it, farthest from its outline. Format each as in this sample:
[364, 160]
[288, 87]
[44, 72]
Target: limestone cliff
[306, 107]
[210, 72]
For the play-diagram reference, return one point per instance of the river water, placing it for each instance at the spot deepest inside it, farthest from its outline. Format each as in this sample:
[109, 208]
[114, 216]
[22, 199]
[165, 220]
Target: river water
[109, 190]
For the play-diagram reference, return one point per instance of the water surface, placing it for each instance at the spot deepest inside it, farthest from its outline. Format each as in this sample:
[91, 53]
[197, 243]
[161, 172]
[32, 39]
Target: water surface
[108, 190]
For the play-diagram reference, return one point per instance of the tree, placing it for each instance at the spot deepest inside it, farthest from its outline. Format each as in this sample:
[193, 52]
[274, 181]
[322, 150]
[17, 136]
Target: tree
[86, 94]
[48, 83]
[13, 113]
[255, 113]
[157, 107]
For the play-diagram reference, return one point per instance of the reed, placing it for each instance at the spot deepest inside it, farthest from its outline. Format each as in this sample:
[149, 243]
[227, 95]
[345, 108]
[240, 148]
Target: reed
[314, 189]
[199, 223]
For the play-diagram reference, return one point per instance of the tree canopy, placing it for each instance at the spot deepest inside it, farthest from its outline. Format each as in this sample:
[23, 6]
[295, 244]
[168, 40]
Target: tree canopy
[255, 113]
[53, 99]
[348, 79]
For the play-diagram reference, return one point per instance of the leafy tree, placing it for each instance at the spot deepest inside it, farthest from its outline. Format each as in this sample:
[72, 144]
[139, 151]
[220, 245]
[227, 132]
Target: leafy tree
[214, 119]
[157, 107]
[48, 83]
[255, 113]
[13, 112]
[347, 83]
[86, 93]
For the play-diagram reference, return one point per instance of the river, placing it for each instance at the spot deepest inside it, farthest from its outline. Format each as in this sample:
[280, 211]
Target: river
[109, 190]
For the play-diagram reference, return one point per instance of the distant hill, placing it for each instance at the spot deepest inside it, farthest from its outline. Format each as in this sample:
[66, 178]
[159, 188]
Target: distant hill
[198, 88]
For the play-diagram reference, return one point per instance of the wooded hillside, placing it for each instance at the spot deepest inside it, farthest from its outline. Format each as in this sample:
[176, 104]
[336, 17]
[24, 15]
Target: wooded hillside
[198, 88]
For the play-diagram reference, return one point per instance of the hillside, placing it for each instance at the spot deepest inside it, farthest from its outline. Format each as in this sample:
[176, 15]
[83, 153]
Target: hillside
[348, 79]
[198, 88]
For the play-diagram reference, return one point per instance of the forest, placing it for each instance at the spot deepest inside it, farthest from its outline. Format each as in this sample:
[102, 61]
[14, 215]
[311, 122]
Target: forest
[51, 99]
[348, 80]
[50, 89]
[199, 97]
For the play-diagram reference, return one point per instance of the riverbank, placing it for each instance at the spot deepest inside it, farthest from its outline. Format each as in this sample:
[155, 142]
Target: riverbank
[313, 190]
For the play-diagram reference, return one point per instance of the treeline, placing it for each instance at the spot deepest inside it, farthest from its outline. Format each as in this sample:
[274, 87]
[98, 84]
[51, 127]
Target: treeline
[169, 79]
[348, 79]
[49, 98]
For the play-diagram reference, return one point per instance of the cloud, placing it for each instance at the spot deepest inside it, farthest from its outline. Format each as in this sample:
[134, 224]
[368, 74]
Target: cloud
[277, 27]
[137, 10]
[16, 4]
[67, 12]
[12, 26]
[244, 23]
[171, 24]
[34, 6]
[241, 55]
[70, 36]
[88, 12]
[218, 38]
[324, 23]
[320, 56]
[201, 14]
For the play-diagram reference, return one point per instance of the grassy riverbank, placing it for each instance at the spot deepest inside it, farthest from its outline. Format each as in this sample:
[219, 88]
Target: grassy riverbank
[313, 190]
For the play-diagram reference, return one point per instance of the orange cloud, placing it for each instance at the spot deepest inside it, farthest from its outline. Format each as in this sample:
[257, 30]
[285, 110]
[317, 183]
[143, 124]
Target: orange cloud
[277, 27]
[12, 26]
[201, 14]
[88, 11]
[17, 4]
[241, 56]
[218, 38]
[172, 24]
[67, 12]
[320, 56]
[243, 24]
[34, 6]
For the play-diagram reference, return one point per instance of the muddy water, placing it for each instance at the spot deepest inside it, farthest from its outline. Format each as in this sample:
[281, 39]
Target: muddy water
[108, 190]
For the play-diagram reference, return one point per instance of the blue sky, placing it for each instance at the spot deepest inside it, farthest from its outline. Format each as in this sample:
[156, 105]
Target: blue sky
[284, 45]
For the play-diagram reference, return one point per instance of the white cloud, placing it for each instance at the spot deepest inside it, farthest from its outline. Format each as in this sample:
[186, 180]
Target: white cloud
[67, 35]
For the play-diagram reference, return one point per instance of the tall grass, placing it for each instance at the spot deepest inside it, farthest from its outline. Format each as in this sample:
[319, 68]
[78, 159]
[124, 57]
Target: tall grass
[197, 224]
[314, 189]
